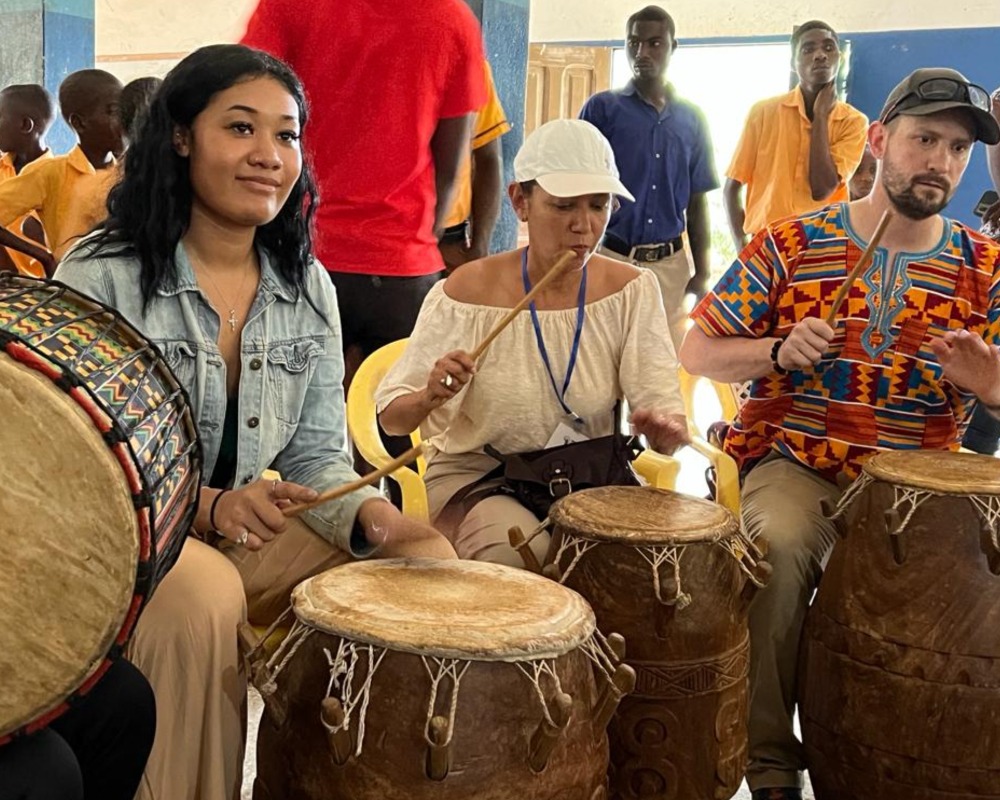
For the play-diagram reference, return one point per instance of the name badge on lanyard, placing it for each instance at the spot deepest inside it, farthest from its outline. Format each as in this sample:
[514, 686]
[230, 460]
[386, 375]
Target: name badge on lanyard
[571, 366]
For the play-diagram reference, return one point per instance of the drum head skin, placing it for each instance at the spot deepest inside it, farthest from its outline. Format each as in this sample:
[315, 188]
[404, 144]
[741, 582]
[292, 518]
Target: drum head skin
[70, 546]
[938, 471]
[642, 515]
[447, 609]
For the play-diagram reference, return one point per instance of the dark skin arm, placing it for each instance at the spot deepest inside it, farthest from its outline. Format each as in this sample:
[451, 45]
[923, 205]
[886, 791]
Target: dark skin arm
[449, 142]
[15, 242]
[823, 178]
[992, 215]
[732, 199]
[487, 189]
[700, 240]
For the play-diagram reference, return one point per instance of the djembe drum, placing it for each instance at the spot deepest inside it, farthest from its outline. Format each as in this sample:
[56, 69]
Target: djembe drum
[418, 679]
[101, 472]
[674, 575]
[900, 695]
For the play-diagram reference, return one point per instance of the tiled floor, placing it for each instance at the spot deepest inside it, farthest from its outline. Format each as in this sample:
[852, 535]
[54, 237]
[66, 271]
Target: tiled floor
[250, 766]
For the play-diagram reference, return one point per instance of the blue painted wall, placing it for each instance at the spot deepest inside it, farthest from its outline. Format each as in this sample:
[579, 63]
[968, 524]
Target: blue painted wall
[505, 34]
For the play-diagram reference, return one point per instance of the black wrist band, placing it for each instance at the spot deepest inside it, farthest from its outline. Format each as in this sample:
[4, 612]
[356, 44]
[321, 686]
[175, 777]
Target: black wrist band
[211, 513]
[774, 357]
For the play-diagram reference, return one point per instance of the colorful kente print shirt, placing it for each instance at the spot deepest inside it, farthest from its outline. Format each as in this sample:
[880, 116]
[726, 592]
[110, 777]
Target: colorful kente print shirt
[879, 385]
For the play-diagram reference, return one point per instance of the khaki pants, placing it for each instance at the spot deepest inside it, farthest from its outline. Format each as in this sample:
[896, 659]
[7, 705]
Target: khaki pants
[481, 534]
[673, 274]
[186, 645]
[781, 505]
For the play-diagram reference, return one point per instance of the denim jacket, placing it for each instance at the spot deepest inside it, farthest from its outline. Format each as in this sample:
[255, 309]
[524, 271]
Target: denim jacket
[291, 398]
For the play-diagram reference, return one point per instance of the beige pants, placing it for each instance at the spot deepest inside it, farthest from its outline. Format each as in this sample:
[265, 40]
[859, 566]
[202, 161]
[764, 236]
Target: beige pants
[673, 274]
[186, 645]
[481, 535]
[781, 505]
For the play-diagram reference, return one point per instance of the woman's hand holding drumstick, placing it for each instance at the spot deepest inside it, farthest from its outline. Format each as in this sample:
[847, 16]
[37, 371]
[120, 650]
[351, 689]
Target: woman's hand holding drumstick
[454, 370]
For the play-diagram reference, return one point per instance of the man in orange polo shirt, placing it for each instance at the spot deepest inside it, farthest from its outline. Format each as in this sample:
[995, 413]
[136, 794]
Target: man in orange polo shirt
[469, 225]
[799, 149]
[26, 114]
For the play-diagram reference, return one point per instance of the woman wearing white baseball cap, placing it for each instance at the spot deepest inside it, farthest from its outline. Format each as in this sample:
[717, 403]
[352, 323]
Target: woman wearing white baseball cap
[594, 336]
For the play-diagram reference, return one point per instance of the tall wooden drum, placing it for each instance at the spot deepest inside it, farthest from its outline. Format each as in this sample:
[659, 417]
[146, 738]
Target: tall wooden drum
[445, 680]
[900, 698]
[674, 575]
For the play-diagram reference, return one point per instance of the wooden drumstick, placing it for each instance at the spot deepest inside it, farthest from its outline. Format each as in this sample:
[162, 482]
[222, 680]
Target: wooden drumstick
[353, 486]
[861, 266]
[558, 269]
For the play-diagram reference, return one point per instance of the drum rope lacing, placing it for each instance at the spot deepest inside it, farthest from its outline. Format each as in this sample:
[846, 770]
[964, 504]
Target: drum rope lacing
[598, 650]
[445, 668]
[342, 669]
[534, 671]
[988, 507]
[283, 654]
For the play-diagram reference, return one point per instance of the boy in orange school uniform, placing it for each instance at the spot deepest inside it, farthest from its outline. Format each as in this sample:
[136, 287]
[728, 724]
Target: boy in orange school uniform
[69, 192]
[26, 113]
[797, 150]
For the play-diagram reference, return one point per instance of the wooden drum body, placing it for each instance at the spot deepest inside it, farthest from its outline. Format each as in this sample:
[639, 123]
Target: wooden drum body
[900, 698]
[413, 679]
[674, 576]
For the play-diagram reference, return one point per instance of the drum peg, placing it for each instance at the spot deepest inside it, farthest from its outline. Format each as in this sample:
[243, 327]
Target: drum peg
[896, 540]
[616, 644]
[520, 543]
[547, 734]
[439, 750]
[830, 511]
[988, 544]
[552, 572]
[252, 649]
[758, 578]
[338, 738]
[621, 683]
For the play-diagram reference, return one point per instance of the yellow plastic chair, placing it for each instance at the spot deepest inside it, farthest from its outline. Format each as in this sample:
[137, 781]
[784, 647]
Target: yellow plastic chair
[362, 423]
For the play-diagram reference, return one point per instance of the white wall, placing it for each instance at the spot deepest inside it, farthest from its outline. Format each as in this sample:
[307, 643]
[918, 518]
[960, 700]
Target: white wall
[603, 20]
[147, 37]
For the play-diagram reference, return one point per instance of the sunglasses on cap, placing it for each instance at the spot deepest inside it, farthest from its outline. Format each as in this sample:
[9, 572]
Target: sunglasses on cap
[937, 90]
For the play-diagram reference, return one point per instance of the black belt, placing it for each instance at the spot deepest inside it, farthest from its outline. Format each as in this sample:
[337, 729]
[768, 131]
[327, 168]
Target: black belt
[644, 252]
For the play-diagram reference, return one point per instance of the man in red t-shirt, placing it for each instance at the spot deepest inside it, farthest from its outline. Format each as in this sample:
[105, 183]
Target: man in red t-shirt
[392, 88]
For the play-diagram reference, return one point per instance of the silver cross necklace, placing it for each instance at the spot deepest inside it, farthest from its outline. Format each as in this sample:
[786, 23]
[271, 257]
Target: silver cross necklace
[239, 293]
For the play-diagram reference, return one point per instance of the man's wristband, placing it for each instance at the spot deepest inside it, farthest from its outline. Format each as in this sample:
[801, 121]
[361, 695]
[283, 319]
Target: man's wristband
[774, 357]
[211, 513]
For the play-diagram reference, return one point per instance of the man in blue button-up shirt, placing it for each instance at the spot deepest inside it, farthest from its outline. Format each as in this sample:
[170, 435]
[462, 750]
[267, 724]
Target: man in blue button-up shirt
[664, 155]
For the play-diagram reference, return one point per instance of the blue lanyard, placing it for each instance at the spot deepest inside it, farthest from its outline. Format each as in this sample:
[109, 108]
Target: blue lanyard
[580, 301]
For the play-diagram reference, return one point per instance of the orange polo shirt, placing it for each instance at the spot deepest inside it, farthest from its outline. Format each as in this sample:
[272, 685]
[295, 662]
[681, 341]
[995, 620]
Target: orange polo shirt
[772, 157]
[68, 194]
[491, 124]
[25, 264]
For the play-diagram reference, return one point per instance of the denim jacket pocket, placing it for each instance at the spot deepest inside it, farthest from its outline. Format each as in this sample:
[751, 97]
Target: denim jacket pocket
[290, 369]
[181, 358]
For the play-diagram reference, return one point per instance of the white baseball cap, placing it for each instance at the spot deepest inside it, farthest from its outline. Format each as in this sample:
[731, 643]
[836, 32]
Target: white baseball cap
[569, 158]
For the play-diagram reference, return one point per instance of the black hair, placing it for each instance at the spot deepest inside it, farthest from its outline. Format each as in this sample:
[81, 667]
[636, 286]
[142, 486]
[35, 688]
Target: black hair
[651, 14]
[811, 25]
[134, 104]
[33, 101]
[527, 187]
[82, 89]
[150, 209]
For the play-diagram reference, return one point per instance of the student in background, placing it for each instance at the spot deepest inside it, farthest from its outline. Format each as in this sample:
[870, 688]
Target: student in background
[69, 192]
[798, 149]
[27, 112]
[469, 226]
[863, 180]
[134, 104]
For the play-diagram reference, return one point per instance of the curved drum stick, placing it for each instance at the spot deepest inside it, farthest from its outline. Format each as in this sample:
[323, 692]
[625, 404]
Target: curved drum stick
[353, 486]
[861, 266]
[558, 269]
